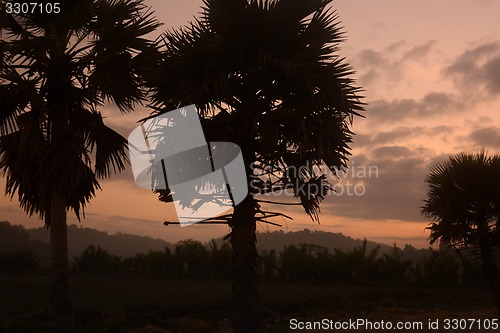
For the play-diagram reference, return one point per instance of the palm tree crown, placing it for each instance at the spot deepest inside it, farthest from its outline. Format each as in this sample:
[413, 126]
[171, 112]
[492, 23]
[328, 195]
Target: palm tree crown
[57, 70]
[264, 74]
[464, 199]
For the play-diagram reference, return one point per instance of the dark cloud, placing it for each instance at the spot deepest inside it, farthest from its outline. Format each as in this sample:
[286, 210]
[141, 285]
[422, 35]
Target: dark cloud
[399, 134]
[390, 180]
[361, 140]
[372, 58]
[441, 129]
[384, 59]
[469, 57]
[368, 77]
[395, 192]
[395, 152]
[488, 137]
[389, 63]
[491, 75]
[420, 51]
[432, 104]
[477, 68]
[393, 47]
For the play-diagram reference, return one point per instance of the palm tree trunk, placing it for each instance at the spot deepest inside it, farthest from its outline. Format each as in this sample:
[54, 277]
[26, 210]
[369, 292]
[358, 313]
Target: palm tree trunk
[495, 279]
[490, 267]
[246, 301]
[491, 272]
[61, 318]
[495, 289]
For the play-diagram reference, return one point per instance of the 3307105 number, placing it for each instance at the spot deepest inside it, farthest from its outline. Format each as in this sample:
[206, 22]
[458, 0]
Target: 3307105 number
[32, 7]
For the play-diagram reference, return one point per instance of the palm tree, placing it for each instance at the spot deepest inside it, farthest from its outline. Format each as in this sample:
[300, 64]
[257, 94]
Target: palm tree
[263, 74]
[59, 66]
[464, 200]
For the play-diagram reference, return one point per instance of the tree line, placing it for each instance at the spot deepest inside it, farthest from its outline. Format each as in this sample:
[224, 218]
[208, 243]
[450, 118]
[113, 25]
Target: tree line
[301, 263]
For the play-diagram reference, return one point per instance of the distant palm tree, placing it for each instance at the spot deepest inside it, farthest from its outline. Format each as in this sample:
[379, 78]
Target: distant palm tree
[264, 75]
[56, 70]
[464, 199]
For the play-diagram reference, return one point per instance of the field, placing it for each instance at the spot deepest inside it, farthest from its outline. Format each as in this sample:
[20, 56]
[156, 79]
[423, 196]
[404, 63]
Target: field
[118, 304]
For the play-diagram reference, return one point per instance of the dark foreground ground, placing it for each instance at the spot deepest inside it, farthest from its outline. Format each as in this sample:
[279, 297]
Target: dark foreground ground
[136, 305]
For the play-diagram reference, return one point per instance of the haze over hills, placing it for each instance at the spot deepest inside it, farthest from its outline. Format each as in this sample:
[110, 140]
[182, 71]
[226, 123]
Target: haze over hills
[119, 244]
[16, 237]
[278, 240]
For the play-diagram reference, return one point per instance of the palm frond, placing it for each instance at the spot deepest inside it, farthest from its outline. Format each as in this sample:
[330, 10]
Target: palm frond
[462, 198]
[312, 193]
[54, 69]
[275, 88]
[109, 146]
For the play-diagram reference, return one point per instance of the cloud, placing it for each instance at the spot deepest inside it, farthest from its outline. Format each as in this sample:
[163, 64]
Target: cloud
[399, 134]
[491, 75]
[432, 104]
[385, 184]
[420, 51]
[389, 179]
[393, 47]
[488, 137]
[372, 58]
[394, 192]
[477, 68]
[395, 152]
[394, 55]
[390, 64]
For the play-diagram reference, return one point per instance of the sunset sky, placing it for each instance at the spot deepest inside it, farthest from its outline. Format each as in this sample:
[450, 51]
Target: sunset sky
[431, 75]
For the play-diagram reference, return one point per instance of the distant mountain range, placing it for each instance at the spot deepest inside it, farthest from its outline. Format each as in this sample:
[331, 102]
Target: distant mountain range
[120, 244]
[279, 239]
[16, 237]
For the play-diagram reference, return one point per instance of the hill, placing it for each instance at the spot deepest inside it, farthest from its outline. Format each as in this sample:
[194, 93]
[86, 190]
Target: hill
[14, 237]
[278, 239]
[119, 244]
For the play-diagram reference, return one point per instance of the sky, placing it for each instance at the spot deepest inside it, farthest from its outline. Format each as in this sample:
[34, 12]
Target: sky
[430, 71]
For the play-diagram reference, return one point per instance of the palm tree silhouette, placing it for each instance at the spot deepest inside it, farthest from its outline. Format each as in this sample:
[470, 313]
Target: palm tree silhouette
[264, 75]
[57, 69]
[464, 200]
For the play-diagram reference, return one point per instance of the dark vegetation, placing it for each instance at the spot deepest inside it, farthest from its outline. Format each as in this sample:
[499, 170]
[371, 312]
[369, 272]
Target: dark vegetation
[186, 287]
[159, 305]
[15, 237]
[301, 262]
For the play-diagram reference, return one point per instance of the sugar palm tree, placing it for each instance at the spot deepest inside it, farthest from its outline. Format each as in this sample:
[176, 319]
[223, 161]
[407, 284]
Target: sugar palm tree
[263, 74]
[464, 200]
[57, 70]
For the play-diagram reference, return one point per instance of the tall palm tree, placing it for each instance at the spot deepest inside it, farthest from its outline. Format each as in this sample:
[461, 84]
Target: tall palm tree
[59, 66]
[263, 74]
[464, 200]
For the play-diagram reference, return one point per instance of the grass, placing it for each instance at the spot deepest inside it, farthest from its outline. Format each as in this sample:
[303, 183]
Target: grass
[119, 304]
